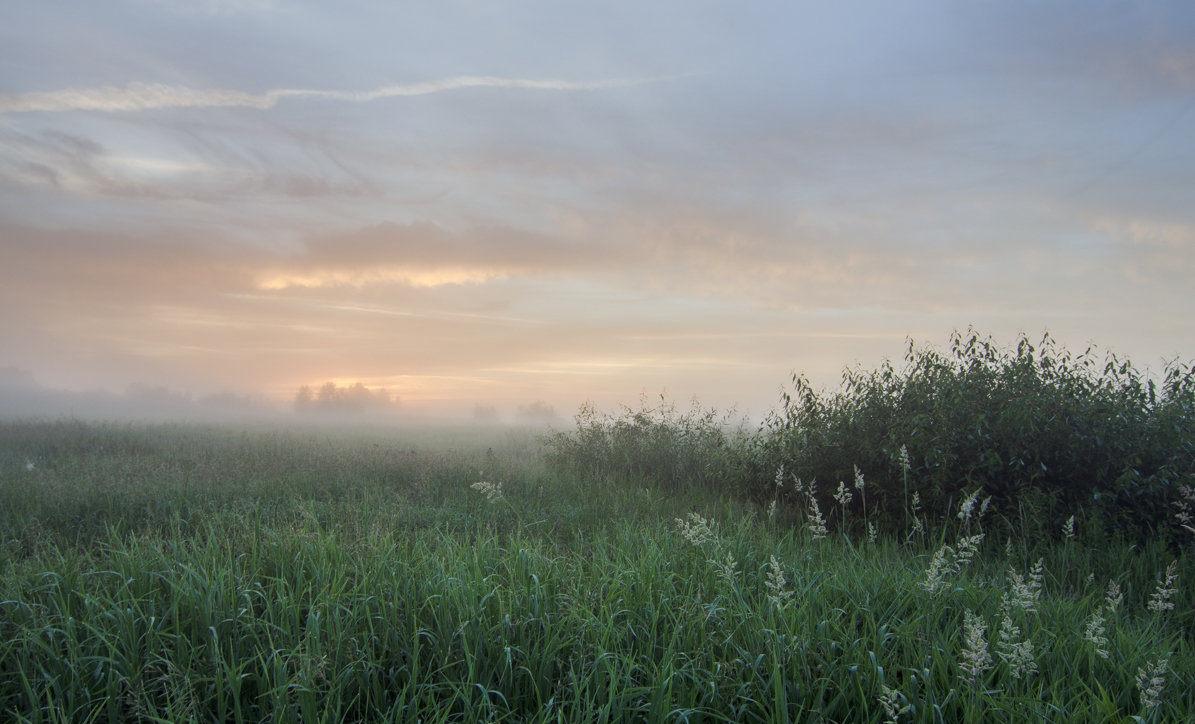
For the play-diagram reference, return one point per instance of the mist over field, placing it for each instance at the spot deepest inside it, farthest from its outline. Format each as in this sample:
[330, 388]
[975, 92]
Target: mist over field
[677, 361]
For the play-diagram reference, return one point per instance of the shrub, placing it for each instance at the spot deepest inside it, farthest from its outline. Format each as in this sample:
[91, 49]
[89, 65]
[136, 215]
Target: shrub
[652, 444]
[1044, 432]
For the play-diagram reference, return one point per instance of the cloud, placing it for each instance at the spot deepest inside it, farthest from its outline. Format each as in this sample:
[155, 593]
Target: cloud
[154, 96]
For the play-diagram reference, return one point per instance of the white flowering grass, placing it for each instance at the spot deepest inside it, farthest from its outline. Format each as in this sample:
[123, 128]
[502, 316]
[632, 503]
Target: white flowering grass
[1159, 600]
[492, 491]
[1151, 680]
[975, 658]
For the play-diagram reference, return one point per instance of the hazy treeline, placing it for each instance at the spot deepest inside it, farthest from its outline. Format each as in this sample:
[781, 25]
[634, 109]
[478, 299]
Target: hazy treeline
[352, 399]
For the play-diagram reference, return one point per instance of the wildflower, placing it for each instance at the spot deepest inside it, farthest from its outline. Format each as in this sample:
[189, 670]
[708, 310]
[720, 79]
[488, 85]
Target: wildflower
[1159, 600]
[1068, 528]
[778, 593]
[903, 456]
[843, 496]
[697, 530]
[491, 491]
[916, 503]
[1113, 597]
[890, 699]
[29, 466]
[983, 507]
[1015, 652]
[858, 478]
[1151, 680]
[871, 532]
[780, 477]
[772, 510]
[814, 520]
[976, 658]
[1094, 632]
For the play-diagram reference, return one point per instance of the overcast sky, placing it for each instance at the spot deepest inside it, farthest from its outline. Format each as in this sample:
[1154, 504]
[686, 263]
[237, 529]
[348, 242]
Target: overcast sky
[499, 202]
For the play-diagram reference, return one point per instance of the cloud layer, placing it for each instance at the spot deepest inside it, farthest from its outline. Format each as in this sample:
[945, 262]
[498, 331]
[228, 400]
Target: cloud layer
[156, 96]
[584, 202]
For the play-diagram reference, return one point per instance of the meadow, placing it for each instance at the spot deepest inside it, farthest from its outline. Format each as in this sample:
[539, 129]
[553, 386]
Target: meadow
[647, 565]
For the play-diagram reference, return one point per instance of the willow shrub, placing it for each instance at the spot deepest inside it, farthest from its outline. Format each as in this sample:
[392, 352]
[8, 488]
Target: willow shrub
[1045, 433]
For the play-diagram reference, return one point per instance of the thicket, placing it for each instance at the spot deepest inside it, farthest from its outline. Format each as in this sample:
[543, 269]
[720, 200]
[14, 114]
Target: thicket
[1045, 433]
[655, 444]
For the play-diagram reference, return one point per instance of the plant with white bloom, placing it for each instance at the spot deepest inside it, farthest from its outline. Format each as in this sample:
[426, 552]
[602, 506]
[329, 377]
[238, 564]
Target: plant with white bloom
[697, 530]
[1113, 597]
[778, 592]
[976, 659]
[29, 466]
[1068, 528]
[1021, 593]
[728, 568]
[967, 507]
[1159, 600]
[1094, 632]
[968, 546]
[1151, 680]
[814, 520]
[491, 491]
[940, 566]
[1015, 651]
[843, 495]
[1186, 507]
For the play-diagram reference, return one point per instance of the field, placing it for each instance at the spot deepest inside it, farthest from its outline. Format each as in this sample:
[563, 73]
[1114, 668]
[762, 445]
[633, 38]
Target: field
[1009, 539]
[186, 573]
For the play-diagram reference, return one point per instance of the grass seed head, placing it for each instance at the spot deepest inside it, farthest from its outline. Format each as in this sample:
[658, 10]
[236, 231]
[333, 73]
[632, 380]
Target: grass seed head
[814, 520]
[1159, 600]
[1113, 597]
[1015, 651]
[1094, 632]
[1150, 681]
[491, 491]
[976, 658]
[697, 530]
[778, 592]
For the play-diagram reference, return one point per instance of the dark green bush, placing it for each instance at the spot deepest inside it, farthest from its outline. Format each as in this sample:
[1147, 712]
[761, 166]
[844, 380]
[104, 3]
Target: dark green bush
[655, 445]
[1047, 434]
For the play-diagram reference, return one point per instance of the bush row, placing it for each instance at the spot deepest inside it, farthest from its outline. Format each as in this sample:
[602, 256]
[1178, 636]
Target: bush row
[1045, 433]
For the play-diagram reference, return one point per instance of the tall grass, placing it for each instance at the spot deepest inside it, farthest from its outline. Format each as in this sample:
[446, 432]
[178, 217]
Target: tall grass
[167, 573]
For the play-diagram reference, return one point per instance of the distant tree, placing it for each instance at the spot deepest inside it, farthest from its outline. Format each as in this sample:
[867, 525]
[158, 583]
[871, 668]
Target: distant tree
[539, 411]
[354, 399]
[485, 413]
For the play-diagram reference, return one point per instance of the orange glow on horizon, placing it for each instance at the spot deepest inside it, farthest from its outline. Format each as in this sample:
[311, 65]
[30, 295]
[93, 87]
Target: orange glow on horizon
[420, 278]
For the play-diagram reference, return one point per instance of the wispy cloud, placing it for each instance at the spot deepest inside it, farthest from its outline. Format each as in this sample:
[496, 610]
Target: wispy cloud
[153, 96]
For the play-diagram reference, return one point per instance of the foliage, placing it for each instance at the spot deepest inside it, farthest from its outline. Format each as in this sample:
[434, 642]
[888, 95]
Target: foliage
[655, 445]
[1045, 433]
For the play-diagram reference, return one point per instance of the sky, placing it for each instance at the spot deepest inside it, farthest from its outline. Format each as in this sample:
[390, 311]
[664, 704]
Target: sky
[494, 203]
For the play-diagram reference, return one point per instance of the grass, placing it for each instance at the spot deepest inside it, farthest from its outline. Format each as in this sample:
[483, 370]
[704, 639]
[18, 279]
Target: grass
[174, 573]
